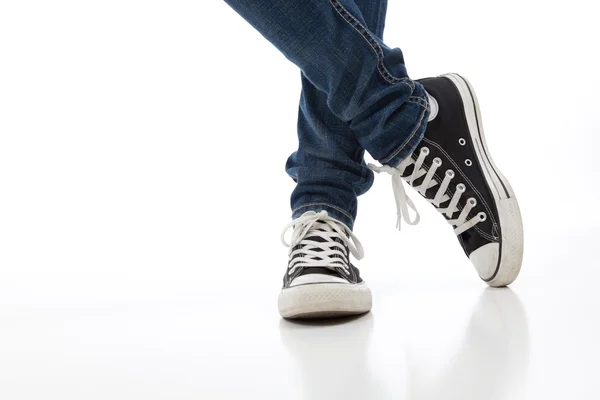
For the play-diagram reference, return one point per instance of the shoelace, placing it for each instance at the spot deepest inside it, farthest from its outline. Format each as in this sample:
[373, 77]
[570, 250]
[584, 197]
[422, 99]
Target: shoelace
[327, 253]
[403, 202]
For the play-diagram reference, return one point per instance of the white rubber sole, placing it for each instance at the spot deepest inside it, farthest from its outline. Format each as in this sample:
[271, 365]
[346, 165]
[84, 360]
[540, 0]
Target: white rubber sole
[324, 300]
[511, 224]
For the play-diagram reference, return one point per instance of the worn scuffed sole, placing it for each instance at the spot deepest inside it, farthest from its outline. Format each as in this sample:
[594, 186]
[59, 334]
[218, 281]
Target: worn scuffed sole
[509, 255]
[324, 300]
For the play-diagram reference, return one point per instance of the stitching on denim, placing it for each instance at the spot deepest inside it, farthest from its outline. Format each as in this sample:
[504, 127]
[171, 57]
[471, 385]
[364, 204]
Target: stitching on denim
[464, 176]
[423, 103]
[418, 100]
[407, 141]
[417, 103]
[374, 45]
[324, 204]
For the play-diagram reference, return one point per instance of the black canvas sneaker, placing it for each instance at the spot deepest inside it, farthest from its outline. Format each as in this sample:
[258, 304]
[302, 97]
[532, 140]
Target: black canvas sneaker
[452, 169]
[320, 281]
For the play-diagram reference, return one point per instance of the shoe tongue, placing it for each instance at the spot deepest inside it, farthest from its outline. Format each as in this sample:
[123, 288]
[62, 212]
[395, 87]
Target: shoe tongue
[322, 239]
[315, 238]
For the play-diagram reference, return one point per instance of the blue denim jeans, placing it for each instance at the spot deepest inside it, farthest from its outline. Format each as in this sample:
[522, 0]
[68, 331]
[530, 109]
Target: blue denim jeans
[356, 96]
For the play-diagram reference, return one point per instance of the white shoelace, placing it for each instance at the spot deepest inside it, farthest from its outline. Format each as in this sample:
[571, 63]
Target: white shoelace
[327, 254]
[460, 223]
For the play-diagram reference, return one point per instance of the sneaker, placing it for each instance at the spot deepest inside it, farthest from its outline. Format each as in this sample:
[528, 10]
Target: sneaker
[453, 170]
[320, 281]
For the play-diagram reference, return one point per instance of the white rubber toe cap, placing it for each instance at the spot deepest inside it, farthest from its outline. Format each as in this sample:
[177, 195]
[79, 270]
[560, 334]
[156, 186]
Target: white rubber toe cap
[316, 278]
[485, 260]
[324, 300]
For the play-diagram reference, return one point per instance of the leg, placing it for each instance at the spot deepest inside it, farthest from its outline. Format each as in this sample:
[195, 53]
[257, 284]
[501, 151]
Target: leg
[356, 95]
[365, 82]
[328, 166]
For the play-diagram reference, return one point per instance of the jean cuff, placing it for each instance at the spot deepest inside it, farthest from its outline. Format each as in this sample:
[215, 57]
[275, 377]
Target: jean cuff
[333, 211]
[416, 135]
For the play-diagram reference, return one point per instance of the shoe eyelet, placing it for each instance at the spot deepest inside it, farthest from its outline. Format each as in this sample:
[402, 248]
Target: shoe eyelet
[472, 202]
[482, 216]
[425, 150]
[462, 141]
[437, 161]
[461, 187]
[450, 173]
[468, 162]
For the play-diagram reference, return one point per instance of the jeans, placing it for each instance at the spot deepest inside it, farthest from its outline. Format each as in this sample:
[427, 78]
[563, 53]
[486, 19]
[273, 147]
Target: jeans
[356, 96]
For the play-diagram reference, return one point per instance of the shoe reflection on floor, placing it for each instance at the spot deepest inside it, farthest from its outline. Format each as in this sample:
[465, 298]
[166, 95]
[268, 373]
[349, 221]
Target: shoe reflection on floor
[490, 362]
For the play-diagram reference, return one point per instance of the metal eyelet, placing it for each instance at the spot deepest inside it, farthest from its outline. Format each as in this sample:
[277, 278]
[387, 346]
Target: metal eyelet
[468, 162]
[450, 173]
[472, 202]
[461, 187]
[437, 161]
[425, 150]
[482, 216]
[462, 141]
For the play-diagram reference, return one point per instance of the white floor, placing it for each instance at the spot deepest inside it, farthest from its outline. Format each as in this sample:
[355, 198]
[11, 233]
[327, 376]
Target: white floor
[142, 192]
[71, 335]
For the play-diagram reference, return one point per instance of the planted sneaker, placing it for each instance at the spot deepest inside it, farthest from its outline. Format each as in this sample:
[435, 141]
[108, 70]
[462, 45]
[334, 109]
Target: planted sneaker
[452, 169]
[320, 281]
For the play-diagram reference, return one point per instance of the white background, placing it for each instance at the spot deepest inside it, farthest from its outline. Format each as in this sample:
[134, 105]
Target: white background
[142, 194]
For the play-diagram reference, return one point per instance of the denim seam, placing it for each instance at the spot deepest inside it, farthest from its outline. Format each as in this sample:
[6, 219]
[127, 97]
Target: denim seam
[419, 100]
[407, 141]
[385, 74]
[417, 103]
[324, 204]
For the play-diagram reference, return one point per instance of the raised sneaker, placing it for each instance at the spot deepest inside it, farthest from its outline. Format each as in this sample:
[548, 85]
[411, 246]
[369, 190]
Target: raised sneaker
[320, 281]
[453, 170]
